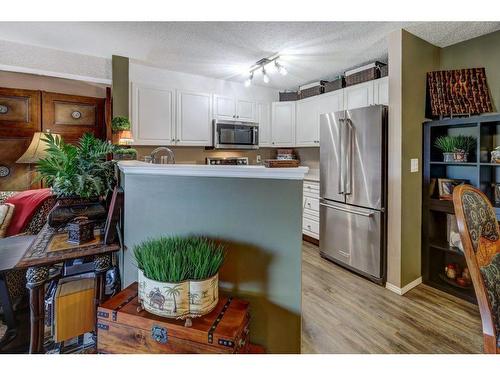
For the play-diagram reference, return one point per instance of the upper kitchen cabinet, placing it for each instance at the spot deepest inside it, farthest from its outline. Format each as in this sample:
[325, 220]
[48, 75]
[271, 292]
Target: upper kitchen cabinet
[245, 110]
[358, 96]
[381, 91]
[307, 122]
[229, 108]
[194, 119]
[264, 120]
[331, 102]
[152, 115]
[283, 124]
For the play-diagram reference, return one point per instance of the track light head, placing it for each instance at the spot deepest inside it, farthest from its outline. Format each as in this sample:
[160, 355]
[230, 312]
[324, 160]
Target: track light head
[248, 82]
[265, 77]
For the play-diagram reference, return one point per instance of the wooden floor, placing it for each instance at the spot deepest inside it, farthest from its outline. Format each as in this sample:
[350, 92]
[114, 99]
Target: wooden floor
[345, 313]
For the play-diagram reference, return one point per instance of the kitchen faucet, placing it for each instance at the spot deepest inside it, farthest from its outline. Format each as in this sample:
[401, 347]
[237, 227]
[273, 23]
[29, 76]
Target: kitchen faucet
[170, 156]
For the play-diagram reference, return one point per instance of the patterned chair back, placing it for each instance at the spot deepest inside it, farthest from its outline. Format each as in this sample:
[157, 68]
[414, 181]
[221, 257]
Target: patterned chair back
[480, 237]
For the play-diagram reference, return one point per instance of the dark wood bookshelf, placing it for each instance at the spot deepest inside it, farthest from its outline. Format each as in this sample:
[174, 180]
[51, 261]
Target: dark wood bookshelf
[479, 172]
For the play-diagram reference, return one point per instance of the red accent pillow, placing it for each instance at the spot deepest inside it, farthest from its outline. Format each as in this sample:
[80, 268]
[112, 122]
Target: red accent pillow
[26, 204]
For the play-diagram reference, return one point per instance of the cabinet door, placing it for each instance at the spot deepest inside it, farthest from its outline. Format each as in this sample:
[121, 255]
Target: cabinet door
[245, 110]
[224, 108]
[19, 112]
[71, 116]
[283, 124]
[381, 91]
[194, 119]
[307, 123]
[152, 115]
[331, 102]
[264, 120]
[358, 96]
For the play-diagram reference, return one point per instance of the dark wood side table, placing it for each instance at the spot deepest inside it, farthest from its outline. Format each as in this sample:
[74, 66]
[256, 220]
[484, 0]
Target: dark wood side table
[49, 248]
[12, 250]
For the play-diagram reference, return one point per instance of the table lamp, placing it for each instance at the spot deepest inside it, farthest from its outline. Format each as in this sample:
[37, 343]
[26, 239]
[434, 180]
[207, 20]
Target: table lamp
[37, 150]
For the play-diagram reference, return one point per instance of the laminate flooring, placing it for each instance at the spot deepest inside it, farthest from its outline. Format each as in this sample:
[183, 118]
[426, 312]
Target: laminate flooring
[345, 313]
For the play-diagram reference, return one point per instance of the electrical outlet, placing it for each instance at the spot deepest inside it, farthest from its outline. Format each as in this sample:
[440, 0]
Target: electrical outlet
[414, 165]
[258, 160]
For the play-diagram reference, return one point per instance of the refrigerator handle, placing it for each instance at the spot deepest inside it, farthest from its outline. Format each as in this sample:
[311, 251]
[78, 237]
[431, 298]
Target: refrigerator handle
[341, 164]
[348, 157]
[355, 212]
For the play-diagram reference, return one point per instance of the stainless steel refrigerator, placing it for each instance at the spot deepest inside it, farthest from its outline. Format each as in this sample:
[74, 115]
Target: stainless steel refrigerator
[353, 189]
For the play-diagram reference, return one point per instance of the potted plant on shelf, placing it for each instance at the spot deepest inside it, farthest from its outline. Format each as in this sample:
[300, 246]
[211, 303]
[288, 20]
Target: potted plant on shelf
[125, 154]
[455, 148]
[120, 127]
[178, 276]
[77, 173]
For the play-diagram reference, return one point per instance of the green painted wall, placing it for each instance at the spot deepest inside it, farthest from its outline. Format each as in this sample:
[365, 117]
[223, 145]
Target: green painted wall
[120, 85]
[480, 52]
[418, 58]
[260, 220]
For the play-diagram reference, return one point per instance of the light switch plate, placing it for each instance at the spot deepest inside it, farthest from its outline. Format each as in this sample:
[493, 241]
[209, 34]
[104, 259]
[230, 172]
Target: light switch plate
[414, 165]
[258, 159]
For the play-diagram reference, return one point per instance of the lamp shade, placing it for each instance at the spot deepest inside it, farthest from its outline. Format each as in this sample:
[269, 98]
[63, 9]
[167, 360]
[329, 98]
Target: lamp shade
[37, 149]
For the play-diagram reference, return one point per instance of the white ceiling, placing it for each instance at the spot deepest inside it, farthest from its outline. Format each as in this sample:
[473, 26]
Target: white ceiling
[310, 50]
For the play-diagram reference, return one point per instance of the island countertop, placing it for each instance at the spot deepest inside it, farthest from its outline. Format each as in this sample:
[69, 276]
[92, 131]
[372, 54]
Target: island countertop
[247, 171]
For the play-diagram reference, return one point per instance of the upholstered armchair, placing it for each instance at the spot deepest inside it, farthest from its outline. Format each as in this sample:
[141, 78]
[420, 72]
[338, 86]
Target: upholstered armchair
[15, 280]
[480, 237]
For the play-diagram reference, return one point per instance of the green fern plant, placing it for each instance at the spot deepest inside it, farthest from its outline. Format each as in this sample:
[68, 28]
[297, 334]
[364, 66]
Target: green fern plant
[459, 143]
[77, 170]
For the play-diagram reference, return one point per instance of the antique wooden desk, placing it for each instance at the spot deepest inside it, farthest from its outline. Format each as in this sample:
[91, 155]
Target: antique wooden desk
[49, 248]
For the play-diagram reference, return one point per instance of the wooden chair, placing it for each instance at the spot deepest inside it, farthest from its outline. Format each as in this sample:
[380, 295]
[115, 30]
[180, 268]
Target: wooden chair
[480, 237]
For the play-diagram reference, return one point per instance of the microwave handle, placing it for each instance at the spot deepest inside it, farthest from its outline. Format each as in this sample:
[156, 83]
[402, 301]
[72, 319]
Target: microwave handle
[255, 135]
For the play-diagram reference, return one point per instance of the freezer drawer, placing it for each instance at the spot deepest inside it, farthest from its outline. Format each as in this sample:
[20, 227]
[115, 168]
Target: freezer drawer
[352, 236]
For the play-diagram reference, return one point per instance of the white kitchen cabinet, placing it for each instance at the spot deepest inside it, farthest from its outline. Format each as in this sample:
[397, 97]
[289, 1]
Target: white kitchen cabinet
[229, 108]
[152, 115]
[283, 124]
[331, 102]
[358, 96]
[264, 120]
[310, 209]
[381, 91]
[194, 119]
[245, 110]
[224, 107]
[307, 122]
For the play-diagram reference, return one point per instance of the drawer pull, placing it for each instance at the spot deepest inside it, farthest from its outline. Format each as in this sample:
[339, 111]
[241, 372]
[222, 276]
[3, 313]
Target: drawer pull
[3, 109]
[76, 115]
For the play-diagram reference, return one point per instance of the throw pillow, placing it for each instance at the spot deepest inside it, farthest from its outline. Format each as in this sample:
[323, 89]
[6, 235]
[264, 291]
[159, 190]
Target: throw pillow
[6, 214]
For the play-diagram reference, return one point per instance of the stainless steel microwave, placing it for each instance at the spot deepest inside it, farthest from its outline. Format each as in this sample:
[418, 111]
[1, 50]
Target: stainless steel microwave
[235, 135]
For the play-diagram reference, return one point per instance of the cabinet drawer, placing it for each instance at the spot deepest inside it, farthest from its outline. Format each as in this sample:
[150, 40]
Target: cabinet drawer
[310, 225]
[311, 203]
[310, 214]
[311, 188]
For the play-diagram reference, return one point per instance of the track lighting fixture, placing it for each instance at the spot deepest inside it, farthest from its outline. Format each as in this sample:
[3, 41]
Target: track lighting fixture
[271, 63]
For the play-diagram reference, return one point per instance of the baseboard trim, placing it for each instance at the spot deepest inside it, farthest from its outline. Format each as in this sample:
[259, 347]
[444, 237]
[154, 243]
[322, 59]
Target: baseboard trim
[406, 288]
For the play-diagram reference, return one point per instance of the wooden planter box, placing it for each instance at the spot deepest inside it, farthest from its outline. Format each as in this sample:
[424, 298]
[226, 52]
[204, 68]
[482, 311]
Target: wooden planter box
[122, 328]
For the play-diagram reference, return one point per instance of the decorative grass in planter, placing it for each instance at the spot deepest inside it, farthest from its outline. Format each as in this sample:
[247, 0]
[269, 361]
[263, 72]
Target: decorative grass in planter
[178, 276]
[455, 148]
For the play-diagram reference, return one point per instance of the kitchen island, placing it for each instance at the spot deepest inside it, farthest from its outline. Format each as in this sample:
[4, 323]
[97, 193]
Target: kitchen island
[255, 211]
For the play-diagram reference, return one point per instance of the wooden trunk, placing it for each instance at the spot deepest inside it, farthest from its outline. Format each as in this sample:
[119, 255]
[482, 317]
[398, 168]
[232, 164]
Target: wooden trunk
[121, 329]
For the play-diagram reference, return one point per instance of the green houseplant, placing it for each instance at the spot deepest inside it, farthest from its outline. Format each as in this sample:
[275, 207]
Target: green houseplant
[178, 276]
[79, 170]
[125, 154]
[455, 148]
[120, 123]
